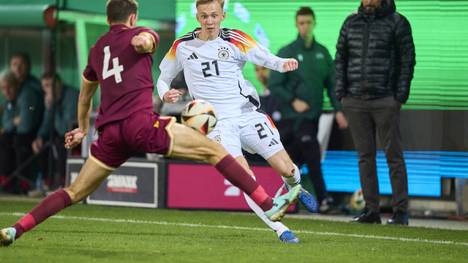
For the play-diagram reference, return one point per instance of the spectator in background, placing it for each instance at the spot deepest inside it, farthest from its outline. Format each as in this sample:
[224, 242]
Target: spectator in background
[301, 99]
[20, 65]
[21, 119]
[2, 104]
[9, 86]
[65, 106]
[375, 58]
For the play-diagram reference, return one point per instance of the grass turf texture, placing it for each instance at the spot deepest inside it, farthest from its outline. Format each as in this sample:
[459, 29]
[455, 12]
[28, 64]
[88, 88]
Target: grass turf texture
[85, 233]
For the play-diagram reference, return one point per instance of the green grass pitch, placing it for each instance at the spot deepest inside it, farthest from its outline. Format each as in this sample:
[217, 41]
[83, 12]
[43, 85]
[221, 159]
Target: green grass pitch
[85, 233]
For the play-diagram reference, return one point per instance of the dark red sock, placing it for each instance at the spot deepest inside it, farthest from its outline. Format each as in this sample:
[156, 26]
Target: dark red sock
[49, 206]
[238, 176]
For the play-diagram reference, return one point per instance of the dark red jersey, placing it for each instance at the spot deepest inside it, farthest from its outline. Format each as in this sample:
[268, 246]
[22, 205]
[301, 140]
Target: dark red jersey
[124, 75]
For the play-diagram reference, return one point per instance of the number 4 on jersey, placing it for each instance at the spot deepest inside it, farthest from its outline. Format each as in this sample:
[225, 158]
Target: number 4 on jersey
[116, 68]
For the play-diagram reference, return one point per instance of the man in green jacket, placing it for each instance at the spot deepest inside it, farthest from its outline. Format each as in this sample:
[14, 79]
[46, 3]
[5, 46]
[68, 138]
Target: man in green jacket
[301, 99]
[21, 119]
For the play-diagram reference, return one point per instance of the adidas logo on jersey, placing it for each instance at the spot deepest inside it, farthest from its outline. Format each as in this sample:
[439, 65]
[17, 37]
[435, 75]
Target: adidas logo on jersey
[193, 56]
[273, 142]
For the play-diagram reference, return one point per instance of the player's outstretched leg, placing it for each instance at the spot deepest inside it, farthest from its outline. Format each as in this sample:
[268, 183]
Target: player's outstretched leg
[291, 175]
[189, 144]
[284, 234]
[91, 175]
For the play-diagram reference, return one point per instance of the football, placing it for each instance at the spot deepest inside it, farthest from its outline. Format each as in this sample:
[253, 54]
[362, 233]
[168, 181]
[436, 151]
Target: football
[357, 202]
[199, 115]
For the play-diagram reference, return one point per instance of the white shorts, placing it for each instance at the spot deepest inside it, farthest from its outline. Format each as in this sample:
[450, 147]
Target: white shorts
[253, 132]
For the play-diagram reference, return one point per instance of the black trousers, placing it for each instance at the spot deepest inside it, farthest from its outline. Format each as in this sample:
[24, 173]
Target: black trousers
[58, 154]
[14, 150]
[381, 117]
[303, 147]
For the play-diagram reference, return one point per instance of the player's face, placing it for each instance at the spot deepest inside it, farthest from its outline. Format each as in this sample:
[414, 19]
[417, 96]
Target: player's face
[18, 67]
[305, 25]
[210, 16]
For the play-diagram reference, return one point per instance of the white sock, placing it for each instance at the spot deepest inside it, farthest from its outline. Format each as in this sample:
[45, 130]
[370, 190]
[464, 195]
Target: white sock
[278, 227]
[295, 179]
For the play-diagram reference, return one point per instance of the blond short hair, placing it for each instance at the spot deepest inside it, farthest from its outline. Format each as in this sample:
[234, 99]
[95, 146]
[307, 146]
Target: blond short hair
[9, 77]
[202, 2]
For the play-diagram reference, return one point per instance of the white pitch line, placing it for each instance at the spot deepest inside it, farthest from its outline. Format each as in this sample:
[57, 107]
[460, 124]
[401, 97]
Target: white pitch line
[232, 227]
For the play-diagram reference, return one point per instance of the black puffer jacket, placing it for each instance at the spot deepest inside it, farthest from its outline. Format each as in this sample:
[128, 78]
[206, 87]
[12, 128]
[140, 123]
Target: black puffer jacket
[375, 55]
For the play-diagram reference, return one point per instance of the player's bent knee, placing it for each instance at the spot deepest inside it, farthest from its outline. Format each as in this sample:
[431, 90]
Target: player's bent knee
[284, 166]
[215, 152]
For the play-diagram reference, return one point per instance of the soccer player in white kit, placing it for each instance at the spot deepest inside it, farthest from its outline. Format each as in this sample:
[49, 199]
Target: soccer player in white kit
[212, 59]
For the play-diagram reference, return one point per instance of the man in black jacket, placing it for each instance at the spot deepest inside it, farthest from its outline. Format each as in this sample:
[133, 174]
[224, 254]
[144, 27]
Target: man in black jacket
[375, 61]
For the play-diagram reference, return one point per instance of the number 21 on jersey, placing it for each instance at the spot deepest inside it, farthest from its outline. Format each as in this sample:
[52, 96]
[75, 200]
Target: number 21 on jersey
[116, 68]
[206, 68]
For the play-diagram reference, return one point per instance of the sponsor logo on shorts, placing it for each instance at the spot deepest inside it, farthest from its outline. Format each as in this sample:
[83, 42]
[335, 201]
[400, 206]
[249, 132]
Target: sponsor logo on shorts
[122, 184]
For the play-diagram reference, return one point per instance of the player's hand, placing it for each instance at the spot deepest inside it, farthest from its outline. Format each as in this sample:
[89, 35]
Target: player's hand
[142, 43]
[172, 95]
[341, 120]
[290, 64]
[300, 105]
[74, 137]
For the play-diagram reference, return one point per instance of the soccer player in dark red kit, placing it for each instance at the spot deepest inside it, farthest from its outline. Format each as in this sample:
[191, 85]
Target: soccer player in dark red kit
[120, 62]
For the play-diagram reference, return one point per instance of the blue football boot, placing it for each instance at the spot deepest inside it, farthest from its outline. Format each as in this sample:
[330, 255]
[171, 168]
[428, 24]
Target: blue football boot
[288, 237]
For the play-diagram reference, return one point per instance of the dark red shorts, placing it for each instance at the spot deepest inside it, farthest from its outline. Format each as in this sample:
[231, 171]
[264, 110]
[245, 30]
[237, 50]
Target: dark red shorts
[142, 132]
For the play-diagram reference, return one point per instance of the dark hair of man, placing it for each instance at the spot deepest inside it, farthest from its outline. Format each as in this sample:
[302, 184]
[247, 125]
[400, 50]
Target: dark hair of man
[202, 2]
[24, 57]
[50, 75]
[305, 11]
[118, 11]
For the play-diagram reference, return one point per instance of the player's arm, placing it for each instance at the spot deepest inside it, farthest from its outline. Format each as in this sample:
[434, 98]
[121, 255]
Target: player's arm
[169, 67]
[74, 137]
[263, 57]
[252, 51]
[144, 42]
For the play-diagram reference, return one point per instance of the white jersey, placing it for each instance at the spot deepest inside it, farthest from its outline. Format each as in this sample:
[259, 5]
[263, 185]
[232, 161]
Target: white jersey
[213, 70]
